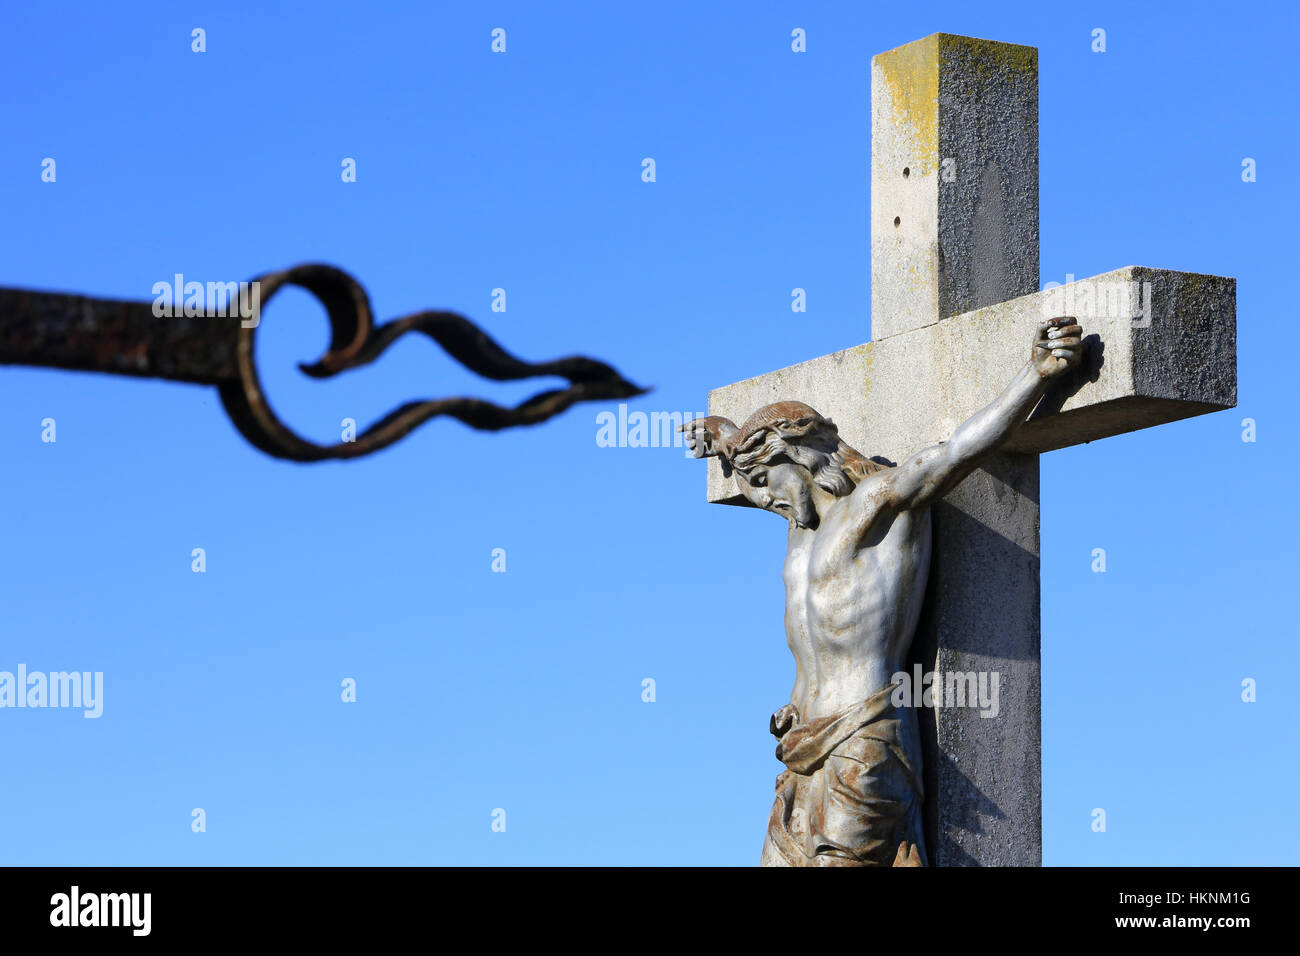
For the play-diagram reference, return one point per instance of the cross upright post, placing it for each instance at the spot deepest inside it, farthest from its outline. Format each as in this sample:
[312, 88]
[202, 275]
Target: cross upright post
[955, 293]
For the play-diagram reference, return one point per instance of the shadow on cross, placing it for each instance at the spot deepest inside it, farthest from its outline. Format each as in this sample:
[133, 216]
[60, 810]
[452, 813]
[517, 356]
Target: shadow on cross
[960, 628]
[964, 807]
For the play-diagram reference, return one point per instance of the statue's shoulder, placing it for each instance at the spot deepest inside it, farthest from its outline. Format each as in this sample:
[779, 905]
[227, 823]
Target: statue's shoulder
[874, 483]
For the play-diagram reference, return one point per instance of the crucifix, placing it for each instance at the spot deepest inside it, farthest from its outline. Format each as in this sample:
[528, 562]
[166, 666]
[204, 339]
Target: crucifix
[908, 470]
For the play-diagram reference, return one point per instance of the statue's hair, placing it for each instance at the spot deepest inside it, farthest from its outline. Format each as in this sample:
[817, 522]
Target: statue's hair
[798, 432]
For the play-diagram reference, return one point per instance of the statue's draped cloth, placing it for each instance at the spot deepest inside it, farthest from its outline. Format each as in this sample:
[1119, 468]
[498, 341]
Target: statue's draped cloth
[850, 793]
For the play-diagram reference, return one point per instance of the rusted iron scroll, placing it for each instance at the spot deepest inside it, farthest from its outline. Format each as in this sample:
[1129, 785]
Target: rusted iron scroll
[58, 330]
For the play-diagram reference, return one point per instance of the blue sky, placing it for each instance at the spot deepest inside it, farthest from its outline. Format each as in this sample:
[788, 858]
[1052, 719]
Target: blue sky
[522, 690]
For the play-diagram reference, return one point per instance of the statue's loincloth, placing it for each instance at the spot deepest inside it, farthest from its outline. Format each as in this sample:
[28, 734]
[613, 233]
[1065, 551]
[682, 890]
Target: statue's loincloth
[851, 794]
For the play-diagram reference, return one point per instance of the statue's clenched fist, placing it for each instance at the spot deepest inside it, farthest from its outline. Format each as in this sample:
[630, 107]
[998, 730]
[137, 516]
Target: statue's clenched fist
[1058, 345]
[707, 437]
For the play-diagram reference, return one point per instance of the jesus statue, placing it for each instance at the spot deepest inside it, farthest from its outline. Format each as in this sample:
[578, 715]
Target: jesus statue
[855, 572]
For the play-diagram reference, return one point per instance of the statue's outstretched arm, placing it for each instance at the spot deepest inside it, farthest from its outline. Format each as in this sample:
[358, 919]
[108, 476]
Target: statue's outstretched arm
[935, 471]
[711, 437]
[715, 437]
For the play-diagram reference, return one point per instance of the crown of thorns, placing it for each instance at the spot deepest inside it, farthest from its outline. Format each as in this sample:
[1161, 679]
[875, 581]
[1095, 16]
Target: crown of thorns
[787, 419]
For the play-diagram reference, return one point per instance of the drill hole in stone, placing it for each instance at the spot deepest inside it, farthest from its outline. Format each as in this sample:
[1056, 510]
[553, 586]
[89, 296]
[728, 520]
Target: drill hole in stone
[897, 222]
[907, 171]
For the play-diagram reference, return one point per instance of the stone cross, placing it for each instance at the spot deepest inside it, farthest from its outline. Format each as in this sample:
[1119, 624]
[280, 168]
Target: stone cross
[955, 293]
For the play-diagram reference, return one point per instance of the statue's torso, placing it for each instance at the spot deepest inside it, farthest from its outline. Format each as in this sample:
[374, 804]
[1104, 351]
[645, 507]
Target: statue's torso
[851, 611]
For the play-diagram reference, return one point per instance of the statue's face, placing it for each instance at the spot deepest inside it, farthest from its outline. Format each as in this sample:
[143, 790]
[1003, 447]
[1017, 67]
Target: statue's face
[786, 489]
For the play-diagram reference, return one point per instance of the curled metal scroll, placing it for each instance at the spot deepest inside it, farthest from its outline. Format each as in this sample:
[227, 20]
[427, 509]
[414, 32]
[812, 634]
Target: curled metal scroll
[122, 337]
[356, 341]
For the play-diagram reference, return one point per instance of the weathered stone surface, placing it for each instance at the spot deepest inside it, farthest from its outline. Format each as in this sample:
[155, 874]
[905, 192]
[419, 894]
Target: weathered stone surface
[954, 162]
[983, 774]
[895, 396]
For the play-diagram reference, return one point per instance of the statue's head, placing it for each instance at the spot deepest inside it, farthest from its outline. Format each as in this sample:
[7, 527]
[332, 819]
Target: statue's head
[785, 450]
